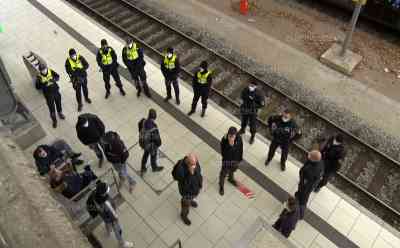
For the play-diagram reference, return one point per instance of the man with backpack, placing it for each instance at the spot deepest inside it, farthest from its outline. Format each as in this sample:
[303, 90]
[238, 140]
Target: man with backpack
[117, 154]
[190, 181]
[100, 203]
[149, 141]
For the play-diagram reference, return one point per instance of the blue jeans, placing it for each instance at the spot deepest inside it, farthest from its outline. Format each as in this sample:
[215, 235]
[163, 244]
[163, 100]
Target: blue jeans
[116, 227]
[122, 170]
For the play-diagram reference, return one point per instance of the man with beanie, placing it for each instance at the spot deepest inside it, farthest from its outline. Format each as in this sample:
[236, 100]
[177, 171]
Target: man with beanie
[283, 130]
[288, 218]
[232, 155]
[252, 100]
[100, 203]
[47, 82]
[133, 58]
[332, 152]
[170, 68]
[202, 81]
[76, 67]
[107, 61]
[149, 141]
[90, 130]
[310, 176]
[190, 181]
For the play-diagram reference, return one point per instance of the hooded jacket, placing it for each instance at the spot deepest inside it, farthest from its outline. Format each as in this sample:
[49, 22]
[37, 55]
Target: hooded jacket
[89, 128]
[189, 185]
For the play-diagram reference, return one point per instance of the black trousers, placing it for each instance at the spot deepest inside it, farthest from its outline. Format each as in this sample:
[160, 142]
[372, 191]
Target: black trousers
[175, 84]
[250, 119]
[326, 178]
[202, 92]
[80, 86]
[140, 78]
[53, 101]
[153, 159]
[186, 202]
[226, 171]
[272, 149]
[115, 74]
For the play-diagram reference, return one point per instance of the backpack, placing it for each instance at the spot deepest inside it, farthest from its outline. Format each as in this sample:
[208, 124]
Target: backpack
[113, 139]
[145, 136]
[175, 171]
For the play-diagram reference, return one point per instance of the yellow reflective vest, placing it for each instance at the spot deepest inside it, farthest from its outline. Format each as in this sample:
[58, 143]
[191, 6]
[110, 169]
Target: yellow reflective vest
[202, 78]
[106, 59]
[46, 80]
[132, 53]
[75, 64]
[170, 63]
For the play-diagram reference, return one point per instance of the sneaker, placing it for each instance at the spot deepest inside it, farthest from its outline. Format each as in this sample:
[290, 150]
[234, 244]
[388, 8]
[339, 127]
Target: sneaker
[167, 99]
[186, 220]
[191, 112]
[107, 95]
[88, 100]
[158, 168]
[122, 91]
[221, 191]
[127, 244]
[62, 116]
[194, 204]
[80, 107]
[178, 102]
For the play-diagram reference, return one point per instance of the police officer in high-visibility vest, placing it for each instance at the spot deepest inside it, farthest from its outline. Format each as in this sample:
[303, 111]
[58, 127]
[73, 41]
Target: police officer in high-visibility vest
[76, 66]
[107, 61]
[47, 82]
[202, 81]
[170, 68]
[133, 58]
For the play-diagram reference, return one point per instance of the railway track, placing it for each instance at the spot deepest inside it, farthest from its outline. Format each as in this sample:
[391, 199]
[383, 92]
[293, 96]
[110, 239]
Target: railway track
[369, 176]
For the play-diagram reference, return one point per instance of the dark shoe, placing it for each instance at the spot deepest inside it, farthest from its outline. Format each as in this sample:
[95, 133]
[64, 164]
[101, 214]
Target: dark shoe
[267, 162]
[76, 155]
[191, 112]
[317, 189]
[138, 93]
[148, 95]
[186, 220]
[80, 107]
[122, 91]
[142, 172]
[101, 160]
[283, 167]
[241, 131]
[77, 161]
[107, 95]
[203, 113]
[54, 124]
[221, 191]
[178, 102]
[233, 182]
[158, 168]
[194, 204]
[62, 116]
[251, 141]
[88, 100]
[167, 99]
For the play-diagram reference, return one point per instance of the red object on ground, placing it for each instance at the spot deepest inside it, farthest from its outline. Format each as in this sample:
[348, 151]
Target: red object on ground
[246, 191]
[244, 7]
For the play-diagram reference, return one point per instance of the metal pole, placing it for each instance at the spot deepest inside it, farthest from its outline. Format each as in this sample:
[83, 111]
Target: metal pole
[353, 23]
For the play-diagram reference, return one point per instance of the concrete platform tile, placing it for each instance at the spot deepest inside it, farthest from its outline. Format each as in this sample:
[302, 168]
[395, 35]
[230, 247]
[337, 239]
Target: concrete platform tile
[266, 204]
[222, 243]
[213, 229]
[207, 205]
[166, 214]
[158, 243]
[390, 238]
[172, 234]
[323, 242]
[197, 240]
[304, 234]
[228, 212]
[196, 220]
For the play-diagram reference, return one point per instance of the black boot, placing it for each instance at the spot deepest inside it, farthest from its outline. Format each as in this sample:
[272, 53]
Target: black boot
[122, 91]
[166, 99]
[158, 168]
[252, 138]
[194, 204]
[283, 167]
[203, 112]
[101, 160]
[107, 95]
[61, 115]
[185, 212]
[80, 107]
[191, 112]
[178, 102]
[88, 100]
[221, 190]
[241, 131]
[54, 119]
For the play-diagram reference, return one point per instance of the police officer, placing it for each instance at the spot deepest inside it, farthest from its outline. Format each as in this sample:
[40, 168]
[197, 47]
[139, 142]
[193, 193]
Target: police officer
[47, 82]
[76, 67]
[252, 100]
[107, 61]
[284, 130]
[202, 81]
[232, 155]
[133, 58]
[170, 69]
[332, 151]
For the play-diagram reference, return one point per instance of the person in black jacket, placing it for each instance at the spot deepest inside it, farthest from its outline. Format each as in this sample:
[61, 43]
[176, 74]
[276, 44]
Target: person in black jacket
[150, 130]
[117, 154]
[288, 218]
[190, 181]
[252, 100]
[107, 61]
[170, 68]
[90, 130]
[310, 176]
[202, 81]
[133, 58]
[284, 130]
[76, 67]
[100, 203]
[232, 155]
[47, 155]
[332, 151]
[47, 82]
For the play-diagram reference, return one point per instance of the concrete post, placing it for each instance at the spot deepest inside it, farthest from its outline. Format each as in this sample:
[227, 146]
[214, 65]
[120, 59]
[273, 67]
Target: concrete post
[353, 24]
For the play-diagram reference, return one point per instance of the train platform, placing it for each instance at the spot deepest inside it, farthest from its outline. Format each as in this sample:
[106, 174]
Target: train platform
[150, 215]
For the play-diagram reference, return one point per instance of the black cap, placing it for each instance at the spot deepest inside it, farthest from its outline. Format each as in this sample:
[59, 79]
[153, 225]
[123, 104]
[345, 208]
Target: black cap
[103, 42]
[101, 188]
[71, 52]
[232, 131]
[339, 138]
[204, 65]
[42, 67]
[170, 50]
[152, 114]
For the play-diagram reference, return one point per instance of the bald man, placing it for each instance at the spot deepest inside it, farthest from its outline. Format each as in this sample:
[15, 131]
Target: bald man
[310, 176]
[190, 181]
